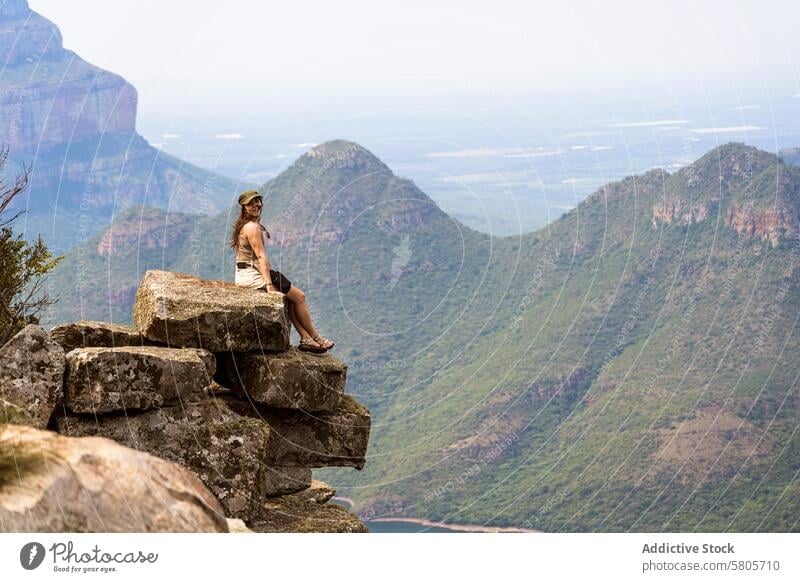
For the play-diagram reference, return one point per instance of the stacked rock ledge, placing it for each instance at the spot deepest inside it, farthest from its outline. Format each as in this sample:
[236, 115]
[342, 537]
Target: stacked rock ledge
[206, 380]
[334, 438]
[290, 379]
[93, 334]
[102, 380]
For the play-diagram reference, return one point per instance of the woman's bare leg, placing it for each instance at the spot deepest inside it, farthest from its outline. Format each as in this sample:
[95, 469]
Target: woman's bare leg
[297, 325]
[301, 313]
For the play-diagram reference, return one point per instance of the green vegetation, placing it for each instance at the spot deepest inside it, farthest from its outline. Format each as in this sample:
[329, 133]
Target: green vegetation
[22, 265]
[610, 372]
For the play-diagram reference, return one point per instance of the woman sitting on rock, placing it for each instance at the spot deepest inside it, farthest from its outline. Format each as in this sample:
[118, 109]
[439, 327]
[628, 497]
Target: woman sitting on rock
[249, 242]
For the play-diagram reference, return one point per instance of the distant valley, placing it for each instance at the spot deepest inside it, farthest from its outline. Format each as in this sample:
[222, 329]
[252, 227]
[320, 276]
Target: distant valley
[631, 366]
[617, 352]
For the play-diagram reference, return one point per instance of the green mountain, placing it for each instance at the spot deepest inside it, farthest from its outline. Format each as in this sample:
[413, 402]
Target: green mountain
[633, 366]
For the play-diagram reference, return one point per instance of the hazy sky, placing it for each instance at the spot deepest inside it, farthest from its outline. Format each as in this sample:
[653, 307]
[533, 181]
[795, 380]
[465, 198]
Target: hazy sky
[201, 48]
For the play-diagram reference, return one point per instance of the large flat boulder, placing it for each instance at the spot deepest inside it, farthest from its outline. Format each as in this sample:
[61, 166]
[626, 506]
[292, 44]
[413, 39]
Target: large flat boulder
[184, 311]
[291, 379]
[103, 380]
[31, 376]
[96, 334]
[226, 450]
[52, 483]
[334, 438]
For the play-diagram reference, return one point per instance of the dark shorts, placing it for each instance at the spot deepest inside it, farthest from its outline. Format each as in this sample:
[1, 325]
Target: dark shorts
[281, 283]
[253, 278]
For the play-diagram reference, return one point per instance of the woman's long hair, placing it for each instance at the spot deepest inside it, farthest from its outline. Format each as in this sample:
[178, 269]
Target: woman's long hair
[237, 228]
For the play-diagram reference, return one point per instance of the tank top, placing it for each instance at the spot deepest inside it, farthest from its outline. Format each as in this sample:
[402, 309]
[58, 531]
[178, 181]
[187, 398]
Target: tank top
[244, 252]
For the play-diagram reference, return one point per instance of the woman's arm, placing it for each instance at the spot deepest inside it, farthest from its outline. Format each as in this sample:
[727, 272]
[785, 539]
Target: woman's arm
[256, 241]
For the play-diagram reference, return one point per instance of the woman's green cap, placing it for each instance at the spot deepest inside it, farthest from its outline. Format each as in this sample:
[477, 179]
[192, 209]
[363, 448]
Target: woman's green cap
[246, 197]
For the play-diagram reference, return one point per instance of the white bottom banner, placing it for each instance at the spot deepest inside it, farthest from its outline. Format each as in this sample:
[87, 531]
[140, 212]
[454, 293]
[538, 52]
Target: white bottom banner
[356, 557]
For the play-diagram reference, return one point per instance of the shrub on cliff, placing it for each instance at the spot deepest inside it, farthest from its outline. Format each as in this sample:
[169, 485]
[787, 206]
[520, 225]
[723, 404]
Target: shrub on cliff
[22, 265]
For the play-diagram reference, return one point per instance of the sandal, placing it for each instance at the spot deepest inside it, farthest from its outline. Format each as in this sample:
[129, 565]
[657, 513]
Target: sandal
[307, 345]
[323, 341]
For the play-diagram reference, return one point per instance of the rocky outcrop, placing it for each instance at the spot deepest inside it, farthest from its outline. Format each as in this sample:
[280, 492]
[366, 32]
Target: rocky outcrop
[290, 514]
[64, 484]
[242, 459]
[335, 438]
[224, 449]
[252, 445]
[184, 311]
[31, 376]
[754, 192]
[679, 212]
[103, 380]
[773, 224]
[285, 480]
[95, 334]
[290, 379]
[318, 492]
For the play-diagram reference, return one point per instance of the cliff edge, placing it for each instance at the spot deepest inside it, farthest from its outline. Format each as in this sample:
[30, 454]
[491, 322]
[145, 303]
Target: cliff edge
[207, 380]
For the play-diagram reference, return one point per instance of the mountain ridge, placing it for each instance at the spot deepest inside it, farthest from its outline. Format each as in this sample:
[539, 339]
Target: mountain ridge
[742, 194]
[341, 180]
[553, 362]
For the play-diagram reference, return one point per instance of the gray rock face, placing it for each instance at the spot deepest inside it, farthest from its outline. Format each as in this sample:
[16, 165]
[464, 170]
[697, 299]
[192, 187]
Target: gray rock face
[31, 376]
[184, 311]
[102, 380]
[290, 379]
[224, 449]
[290, 514]
[96, 485]
[285, 480]
[318, 492]
[60, 102]
[96, 334]
[336, 438]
